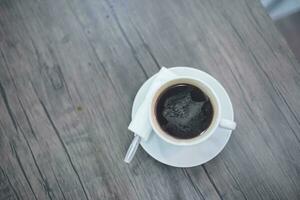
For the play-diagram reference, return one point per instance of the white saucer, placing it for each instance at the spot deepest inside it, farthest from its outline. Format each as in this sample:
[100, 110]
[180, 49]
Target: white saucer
[188, 156]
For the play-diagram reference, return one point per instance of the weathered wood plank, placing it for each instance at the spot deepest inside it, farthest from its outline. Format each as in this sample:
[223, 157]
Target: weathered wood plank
[69, 71]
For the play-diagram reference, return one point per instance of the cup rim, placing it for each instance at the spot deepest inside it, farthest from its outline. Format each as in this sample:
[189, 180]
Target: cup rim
[206, 133]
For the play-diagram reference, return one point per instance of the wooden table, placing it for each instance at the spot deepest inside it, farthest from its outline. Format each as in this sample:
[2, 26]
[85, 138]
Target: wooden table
[69, 71]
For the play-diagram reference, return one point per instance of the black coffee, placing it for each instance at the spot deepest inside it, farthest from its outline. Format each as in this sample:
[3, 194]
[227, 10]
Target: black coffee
[184, 111]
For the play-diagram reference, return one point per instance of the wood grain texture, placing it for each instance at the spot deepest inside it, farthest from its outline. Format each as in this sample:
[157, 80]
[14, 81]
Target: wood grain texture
[69, 71]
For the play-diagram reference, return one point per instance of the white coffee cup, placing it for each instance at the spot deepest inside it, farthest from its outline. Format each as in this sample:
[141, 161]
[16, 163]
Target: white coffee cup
[216, 122]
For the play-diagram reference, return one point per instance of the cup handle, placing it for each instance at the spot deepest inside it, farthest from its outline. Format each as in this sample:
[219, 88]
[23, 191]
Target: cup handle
[227, 124]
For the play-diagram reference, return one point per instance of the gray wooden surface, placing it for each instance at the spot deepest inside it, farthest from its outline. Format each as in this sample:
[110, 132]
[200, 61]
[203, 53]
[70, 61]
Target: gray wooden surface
[69, 71]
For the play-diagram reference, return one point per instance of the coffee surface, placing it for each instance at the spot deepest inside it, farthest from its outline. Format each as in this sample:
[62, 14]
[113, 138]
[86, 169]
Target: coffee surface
[184, 111]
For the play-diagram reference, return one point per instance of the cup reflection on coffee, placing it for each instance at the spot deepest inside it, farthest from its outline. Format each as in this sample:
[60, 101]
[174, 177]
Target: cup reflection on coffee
[186, 111]
[183, 111]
